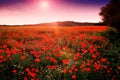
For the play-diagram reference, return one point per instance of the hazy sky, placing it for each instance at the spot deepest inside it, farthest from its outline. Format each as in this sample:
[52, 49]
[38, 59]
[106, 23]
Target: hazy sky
[16, 12]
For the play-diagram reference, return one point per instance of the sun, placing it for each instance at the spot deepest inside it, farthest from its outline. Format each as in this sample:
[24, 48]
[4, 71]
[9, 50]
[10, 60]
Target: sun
[44, 4]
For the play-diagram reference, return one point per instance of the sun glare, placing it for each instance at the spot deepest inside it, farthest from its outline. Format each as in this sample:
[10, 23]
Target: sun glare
[44, 4]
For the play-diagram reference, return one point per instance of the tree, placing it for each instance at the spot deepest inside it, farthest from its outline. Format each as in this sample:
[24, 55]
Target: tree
[111, 14]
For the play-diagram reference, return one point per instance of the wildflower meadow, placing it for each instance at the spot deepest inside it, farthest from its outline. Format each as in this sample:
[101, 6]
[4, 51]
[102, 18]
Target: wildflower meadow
[57, 53]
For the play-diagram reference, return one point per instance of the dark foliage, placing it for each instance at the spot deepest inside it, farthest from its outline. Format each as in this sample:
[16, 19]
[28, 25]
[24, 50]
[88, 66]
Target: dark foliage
[111, 14]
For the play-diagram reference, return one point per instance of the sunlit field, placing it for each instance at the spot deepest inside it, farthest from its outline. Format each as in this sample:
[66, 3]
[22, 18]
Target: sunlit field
[56, 53]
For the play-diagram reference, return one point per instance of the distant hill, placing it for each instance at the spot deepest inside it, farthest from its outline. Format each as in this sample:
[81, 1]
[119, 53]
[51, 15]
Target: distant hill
[62, 23]
[68, 23]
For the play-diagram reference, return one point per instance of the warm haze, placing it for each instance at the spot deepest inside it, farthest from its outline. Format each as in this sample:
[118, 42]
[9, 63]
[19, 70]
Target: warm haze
[18, 12]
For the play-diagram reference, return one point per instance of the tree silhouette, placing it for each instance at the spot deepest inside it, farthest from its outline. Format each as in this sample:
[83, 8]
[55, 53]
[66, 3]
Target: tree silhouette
[111, 14]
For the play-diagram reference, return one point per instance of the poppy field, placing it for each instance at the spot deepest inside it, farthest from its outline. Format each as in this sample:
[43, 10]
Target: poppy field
[57, 53]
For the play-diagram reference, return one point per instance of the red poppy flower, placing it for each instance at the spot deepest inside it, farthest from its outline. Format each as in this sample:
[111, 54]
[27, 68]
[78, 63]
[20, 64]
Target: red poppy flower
[103, 59]
[65, 71]
[87, 69]
[65, 61]
[73, 76]
[14, 71]
[23, 57]
[37, 60]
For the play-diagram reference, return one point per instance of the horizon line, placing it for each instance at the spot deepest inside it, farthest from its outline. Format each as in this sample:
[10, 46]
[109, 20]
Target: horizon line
[46, 23]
